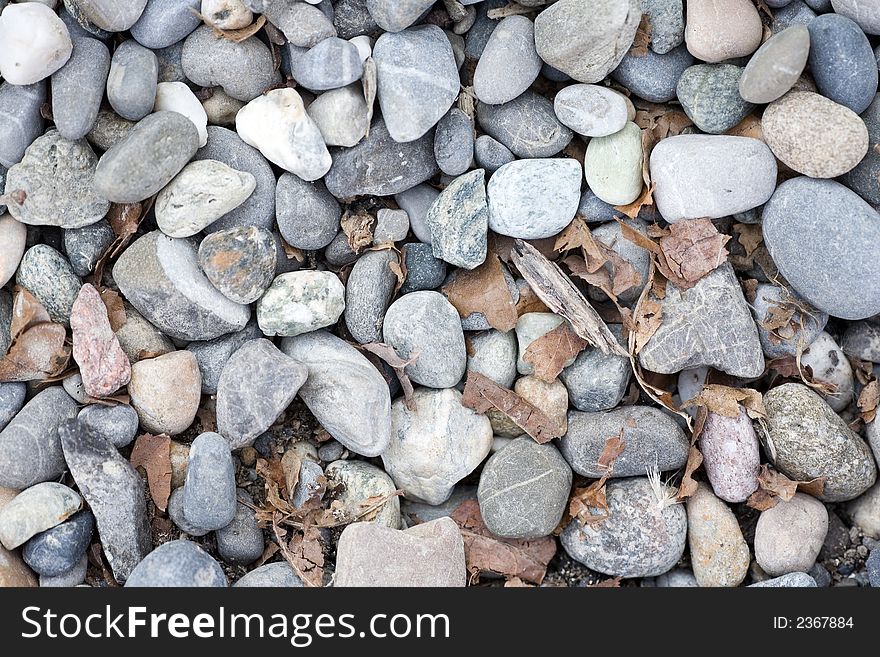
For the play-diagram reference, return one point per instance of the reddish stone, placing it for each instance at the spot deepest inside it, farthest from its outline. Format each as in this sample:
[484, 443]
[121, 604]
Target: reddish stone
[103, 365]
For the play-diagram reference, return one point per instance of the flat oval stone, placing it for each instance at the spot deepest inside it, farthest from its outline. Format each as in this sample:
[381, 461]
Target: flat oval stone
[722, 29]
[730, 455]
[591, 110]
[308, 215]
[775, 68]
[597, 381]
[865, 14]
[240, 262]
[212, 355]
[814, 135]
[789, 535]
[490, 154]
[653, 77]
[20, 119]
[613, 165]
[527, 125]
[302, 24]
[241, 541]
[109, 15]
[57, 550]
[78, 88]
[368, 292]
[841, 234]
[131, 84]
[344, 392]
[165, 22]
[178, 563]
[719, 553]
[842, 62]
[118, 424]
[35, 510]
[454, 142]
[209, 495]
[709, 95]
[299, 302]
[341, 115]
[711, 176]
[459, 221]
[166, 391]
[509, 63]
[330, 64]
[47, 274]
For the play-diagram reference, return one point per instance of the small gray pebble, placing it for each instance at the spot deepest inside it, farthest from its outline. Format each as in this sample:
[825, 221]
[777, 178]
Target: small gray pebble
[209, 498]
[131, 84]
[177, 564]
[308, 215]
[241, 541]
[423, 270]
[47, 275]
[84, 246]
[491, 154]
[78, 88]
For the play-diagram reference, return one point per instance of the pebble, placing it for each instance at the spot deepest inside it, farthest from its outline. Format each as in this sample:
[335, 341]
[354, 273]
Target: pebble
[641, 538]
[36, 43]
[47, 274]
[59, 549]
[711, 176]
[490, 154]
[653, 77]
[331, 64]
[311, 476]
[303, 25]
[241, 542]
[85, 246]
[454, 142]
[788, 536]
[345, 393]
[865, 14]
[108, 15]
[56, 175]
[803, 326]
[227, 14]
[278, 574]
[719, 554]
[610, 234]
[103, 365]
[330, 451]
[425, 322]
[872, 563]
[509, 63]
[807, 439]
[597, 381]
[308, 215]
[244, 70]
[667, 23]
[380, 166]
[177, 97]
[391, 226]
[524, 490]
[862, 340]
[352, 18]
[709, 95]
[165, 22]
[240, 262]
[458, 221]
[717, 30]
[177, 564]
[12, 396]
[5, 320]
[118, 424]
[613, 166]
[591, 110]
[220, 108]
[533, 199]
[69, 578]
[257, 384]
[209, 496]
[361, 481]
[416, 202]
[20, 119]
[35, 510]
[862, 178]
[147, 158]
[730, 455]
[166, 391]
[131, 84]
[792, 580]
[417, 80]
[160, 277]
[212, 355]
[341, 115]
[176, 515]
[493, 354]
[775, 68]
[138, 338]
[430, 554]
[864, 511]
[842, 61]
[653, 441]
[675, 578]
[427, 456]
[527, 125]
[828, 363]
[833, 225]
[423, 270]
[397, 15]
[109, 129]
[586, 42]
[707, 325]
[78, 88]
[299, 302]
[338, 252]
[368, 292]
[795, 12]
[13, 239]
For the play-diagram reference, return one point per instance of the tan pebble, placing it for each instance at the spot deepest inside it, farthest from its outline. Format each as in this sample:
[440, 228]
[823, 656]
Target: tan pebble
[722, 29]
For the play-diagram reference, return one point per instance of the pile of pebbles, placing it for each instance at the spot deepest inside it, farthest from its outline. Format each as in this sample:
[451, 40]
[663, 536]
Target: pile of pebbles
[261, 202]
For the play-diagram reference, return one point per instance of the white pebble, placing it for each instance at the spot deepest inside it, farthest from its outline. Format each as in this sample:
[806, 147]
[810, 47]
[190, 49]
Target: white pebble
[177, 97]
[364, 44]
[35, 41]
[226, 14]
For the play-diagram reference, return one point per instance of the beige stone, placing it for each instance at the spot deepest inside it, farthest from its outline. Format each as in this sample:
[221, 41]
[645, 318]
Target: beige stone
[722, 29]
[719, 554]
[865, 511]
[550, 398]
[166, 391]
[788, 536]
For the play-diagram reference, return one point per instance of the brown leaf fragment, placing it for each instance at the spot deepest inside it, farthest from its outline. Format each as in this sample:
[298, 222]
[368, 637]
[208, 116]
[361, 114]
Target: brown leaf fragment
[290, 465]
[691, 250]
[774, 486]
[153, 454]
[115, 308]
[614, 447]
[358, 228]
[388, 354]
[484, 290]
[529, 302]
[726, 401]
[304, 553]
[750, 236]
[688, 485]
[515, 559]
[483, 394]
[589, 504]
[868, 401]
[646, 198]
[643, 38]
[239, 35]
[38, 350]
[610, 583]
[549, 353]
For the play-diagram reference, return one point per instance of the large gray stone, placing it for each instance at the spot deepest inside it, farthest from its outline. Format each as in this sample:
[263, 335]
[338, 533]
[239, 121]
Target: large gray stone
[78, 88]
[178, 563]
[132, 81]
[509, 63]
[209, 495]
[165, 22]
[308, 215]
[842, 62]
[20, 119]
[527, 125]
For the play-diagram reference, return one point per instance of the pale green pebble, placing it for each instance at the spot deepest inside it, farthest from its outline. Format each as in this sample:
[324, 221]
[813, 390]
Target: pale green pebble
[613, 166]
[300, 302]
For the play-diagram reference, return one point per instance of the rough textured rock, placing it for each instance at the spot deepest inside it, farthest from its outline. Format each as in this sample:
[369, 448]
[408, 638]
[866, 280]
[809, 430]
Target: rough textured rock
[103, 365]
[118, 424]
[459, 221]
[178, 564]
[719, 554]
[166, 391]
[299, 302]
[709, 95]
[35, 510]
[359, 482]
[85, 246]
[20, 119]
[788, 536]
[47, 274]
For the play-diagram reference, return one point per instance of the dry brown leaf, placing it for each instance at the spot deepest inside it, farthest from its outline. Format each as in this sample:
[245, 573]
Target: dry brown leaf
[774, 486]
[577, 235]
[646, 198]
[868, 401]
[290, 466]
[643, 38]
[388, 354]
[750, 237]
[726, 401]
[523, 559]
[549, 353]
[585, 502]
[483, 290]
[358, 228]
[236, 36]
[115, 308]
[483, 394]
[688, 486]
[692, 249]
[610, 583]
[153, 454]
[303, 553]
[529, 302]
[38, 350]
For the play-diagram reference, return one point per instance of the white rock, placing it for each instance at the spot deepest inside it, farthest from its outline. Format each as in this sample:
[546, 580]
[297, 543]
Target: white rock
[226, 14]
[830, 365]
[35, 43]
[364, 44]
[341, 115]
[13, 235]
[300, 302]
[591, 110]
[277, 125]
[177, 97]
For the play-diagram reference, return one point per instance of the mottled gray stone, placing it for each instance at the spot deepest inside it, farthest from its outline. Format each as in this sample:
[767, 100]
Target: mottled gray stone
[423, 270]
[118, 424]
[352, 18]
[302, 24]
[493, 354]
[178, 563]
[165, 22]
[654, 77]
[170, 67]
[359, 481]
[862, 340]
[212, 355]
[863, 179]
[597, 381]
[109, 129]
[667, 23]
[35, 510]
[391, 226]
[300, 302]
[801, 330]
[57, 550]
[459, 221]
[526, 125]
[308, 215]
[72, 577]
[341, 115]
[241, 541]
[791, 580]
[795, 12]
[509, 63]
[78, 88]
[368, 292]
[454, 142]
[311, 478]
[397, 15]
[490, 154]
[131, 83]
[278, 574]
[209, 497]
[20, 119]
[47, 275]
[84, 246]
[331, 64]
[842, 61]
[12, 396]
[709, 95]
[240, 262]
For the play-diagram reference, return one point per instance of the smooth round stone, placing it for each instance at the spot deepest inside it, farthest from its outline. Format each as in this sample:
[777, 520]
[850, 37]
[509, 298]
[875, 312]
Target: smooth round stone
[259, 209]
[165, 392]
[524, 490]
[864, 511]
[165, 22]
[227, 14]
[212, 355]
[788, 536]
[13, 238]
[863, 178]
[341, 115]
[244, 69]
[12, 396]
[653, 77]
[308, 215]
[35, 510]
[56, 175]
[147, 158]
[160, 277]
[391, 226]
[240, 262]
[278, 126]
[799, 333]
[47, 275]
[493, 354]
[425, 322]
[368, 292]
[85, 246]
[78, 88]
[642, 538]
[775, 68]
[667, 23]
[454, 142]
[675, 578]
[69, 578]
[807, 439]
[131, 84]
[613, 166]
[652, 437]
[30, 450]
[814, 135]
[509, 63]
[331, 64]
[586, 41]
[722, 29]
[118, 424]
[300, 302]
[458, 221]
[417, 80]
[177, 97]
[423, 270]
[862, 340]
[597, 381]
[220, 108]
[711, 176]
[526, 125]
[36, 43]
[719, 554]
[416, 202]
[338, 253]
[20, 119]
[57, 550]
[591, 110]
[277, 575]
[709, 95]
[209, 496]
[792, 580]
[842, 62]
[396, 15]
[730, 455]
[829, 364]
[241, 541]
[361, 481]
[108, 15]
[533, 199]
[865, 14]
[490, 154]
[834, 226]
[177, 564]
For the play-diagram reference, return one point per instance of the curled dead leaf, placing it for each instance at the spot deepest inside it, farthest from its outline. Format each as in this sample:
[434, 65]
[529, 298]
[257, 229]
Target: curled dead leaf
[549, 353]
[774, 486]
[483, 290]
[153, 454]
[688, 485]
[726, 401]
[358, 228]
[38, 349]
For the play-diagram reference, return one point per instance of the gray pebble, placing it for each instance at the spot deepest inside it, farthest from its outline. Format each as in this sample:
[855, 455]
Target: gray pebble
[597, 381]
[209, 497]
[170, 63]
[108, 15]
[416, 202]
[454, 142]
[873, 566]
[178, 564]
[131, 84]
[20, 119]
[303, 24]
[310, 480]
[360, 481]
[72, 577]
[241, 541]
[391, 226]
[842, 61]
[493, 354]
[12, 395]
[795, 12]
[863, 179]
[308, 215]
[278, 574]
[667, 24]
[78, 88]
[490, 154]
[118, 424]
[709, 94]
[862, 340]
[35, 510]
[109, 129]
[526, 125]
[175, 513]
[47, 275]
[654, 77]
[84, 246]
[352, 18]
[368, 292]
[611, 235]
[339, 253]
[5, 320]
[330, 451]
[165, 22]
[423, 270]
[789, 536]
[57, 550]
[458, 221]
[212, 355]
[331, 64]
[509, 63]
[791, 580]
[240, 262]
[341, 115]
[481, 31]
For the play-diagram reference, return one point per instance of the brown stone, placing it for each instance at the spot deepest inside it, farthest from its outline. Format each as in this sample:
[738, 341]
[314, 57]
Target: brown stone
[722, 29]
[103, 365]
[166, 392]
